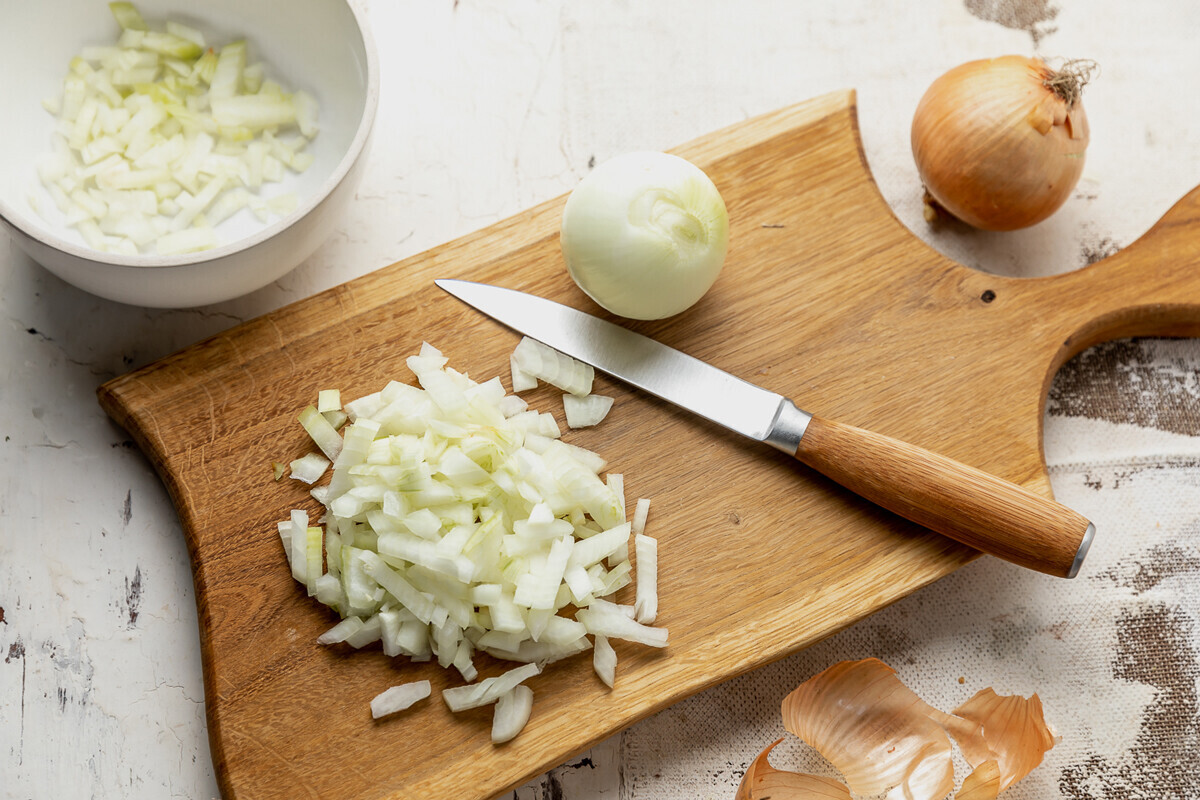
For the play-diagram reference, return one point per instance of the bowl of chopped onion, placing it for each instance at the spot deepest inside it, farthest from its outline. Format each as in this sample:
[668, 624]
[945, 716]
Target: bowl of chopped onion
[173, 154]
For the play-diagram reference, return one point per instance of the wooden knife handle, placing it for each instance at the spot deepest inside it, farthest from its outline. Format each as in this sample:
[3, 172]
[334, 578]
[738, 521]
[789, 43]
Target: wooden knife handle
[956, 500]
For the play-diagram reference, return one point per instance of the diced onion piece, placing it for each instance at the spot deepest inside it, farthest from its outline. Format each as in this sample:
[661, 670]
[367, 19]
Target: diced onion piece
[309, 468]
[547, 364]
[322, 433]
[640, 512]
[341, 631]
[297, 545]
[616, 482]
[226, 79]
[596, 548]
[488, 691]
[604, 661]
[254, 112]
[312, 557]
[510, 405]
[370, 632]
[189, 241]
[587, 410]
[511, 714]
[645, 605]
[399, 698]
[329, 400]
[186, 32]
[128, 16]
[522, 381]
[615, 624]
[306, 113]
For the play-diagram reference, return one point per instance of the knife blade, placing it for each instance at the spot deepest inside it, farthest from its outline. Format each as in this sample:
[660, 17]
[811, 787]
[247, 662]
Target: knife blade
[969, 505]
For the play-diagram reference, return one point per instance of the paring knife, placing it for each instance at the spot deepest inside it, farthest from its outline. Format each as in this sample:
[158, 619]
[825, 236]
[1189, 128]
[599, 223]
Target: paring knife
[944, 495]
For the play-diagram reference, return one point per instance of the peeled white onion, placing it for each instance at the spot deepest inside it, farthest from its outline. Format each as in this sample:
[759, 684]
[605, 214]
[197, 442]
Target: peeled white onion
[645, 234]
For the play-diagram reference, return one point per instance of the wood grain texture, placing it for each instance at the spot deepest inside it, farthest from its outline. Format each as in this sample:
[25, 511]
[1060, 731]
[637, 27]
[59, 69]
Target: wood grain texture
[970, 506]
[825, 297]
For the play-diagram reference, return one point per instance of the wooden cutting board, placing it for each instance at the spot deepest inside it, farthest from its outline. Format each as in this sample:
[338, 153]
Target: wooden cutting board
[825, 297]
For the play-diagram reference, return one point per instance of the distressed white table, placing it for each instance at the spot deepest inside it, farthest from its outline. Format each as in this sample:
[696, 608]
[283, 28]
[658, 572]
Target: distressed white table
[490, 107]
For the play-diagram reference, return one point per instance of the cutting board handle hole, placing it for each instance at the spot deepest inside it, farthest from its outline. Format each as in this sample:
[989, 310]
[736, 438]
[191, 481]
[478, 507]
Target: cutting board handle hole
[988, 296]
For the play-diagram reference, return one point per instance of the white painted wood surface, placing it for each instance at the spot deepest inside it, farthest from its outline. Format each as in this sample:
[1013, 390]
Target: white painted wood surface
[490, 107]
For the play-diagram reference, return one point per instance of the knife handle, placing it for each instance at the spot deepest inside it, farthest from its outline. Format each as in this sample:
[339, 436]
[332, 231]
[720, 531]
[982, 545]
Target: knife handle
[944, 495]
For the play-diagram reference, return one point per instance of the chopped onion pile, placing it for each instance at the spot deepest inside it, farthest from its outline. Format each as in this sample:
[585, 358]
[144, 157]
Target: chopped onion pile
[458, 522]
[887, 742]
[160, 138]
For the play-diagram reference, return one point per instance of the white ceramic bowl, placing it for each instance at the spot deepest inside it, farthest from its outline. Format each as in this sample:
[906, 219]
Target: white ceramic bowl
[321, 46]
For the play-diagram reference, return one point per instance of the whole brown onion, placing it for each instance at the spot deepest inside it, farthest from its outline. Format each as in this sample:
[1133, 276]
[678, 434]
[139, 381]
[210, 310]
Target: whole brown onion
[1000, 142]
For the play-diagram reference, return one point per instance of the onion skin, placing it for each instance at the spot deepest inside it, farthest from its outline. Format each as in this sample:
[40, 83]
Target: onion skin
[996, 147]
[764, 782]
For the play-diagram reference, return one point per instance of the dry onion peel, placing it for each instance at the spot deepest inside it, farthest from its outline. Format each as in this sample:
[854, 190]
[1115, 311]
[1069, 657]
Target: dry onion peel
[886, 741]
[874, 729]
[982, 784]
[1014, 731]
[999, 143]
[762, 781]
[398, 698]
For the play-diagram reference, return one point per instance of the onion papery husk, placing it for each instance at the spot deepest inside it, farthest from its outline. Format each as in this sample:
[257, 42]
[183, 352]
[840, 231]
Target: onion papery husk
[763, 782]
[999, 143]
[876, 731]
[888, 742]
[1014, 731]
[982, 784]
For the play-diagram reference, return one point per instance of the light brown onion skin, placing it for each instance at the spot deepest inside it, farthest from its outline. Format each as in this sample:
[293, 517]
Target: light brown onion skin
[995, 147]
